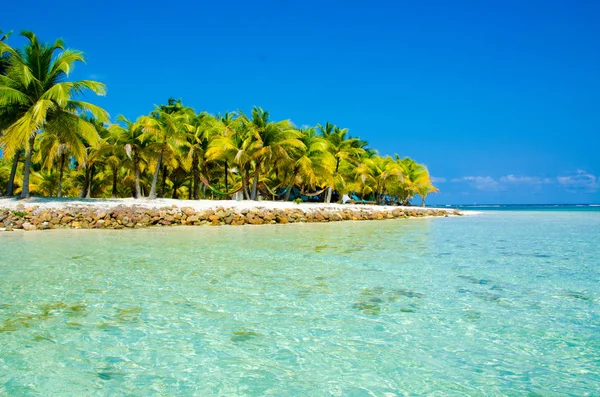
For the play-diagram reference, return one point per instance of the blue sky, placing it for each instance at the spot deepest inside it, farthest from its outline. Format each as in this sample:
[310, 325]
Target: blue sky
[500, 99]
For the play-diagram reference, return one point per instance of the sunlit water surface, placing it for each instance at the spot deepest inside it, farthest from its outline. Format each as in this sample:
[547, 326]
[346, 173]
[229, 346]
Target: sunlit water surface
[503, 303]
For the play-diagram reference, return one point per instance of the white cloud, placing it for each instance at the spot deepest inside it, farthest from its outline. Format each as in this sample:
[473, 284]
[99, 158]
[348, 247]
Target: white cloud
[485, 183]
[525, 180]
[580, 182]
[435, 179]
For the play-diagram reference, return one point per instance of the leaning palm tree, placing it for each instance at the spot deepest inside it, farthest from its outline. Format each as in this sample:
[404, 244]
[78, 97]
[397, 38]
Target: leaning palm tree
[425, 186]
[34, 92]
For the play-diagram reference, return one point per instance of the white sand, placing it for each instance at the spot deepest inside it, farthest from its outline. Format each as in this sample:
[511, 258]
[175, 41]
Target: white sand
[60, 203]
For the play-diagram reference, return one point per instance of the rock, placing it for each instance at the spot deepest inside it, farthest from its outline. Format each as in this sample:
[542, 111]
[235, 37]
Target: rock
[188, 211]
[221, 214]
[8, 229]
[76, 225]
[282, 219]
[28, 226]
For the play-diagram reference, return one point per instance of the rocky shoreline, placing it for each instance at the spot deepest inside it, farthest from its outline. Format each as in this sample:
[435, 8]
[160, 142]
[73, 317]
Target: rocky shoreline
[124, 216]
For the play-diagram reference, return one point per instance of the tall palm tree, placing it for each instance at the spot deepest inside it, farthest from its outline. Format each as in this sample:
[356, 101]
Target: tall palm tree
[313, 164]
[112, 152]
[342, 147]
[270, 142]
[133, 144]
[6, 118]
[195, 146]
[35, 93]
[233, 144]
[166, 132]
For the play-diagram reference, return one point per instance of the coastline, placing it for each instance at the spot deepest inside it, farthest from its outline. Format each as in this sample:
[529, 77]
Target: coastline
[50, 213]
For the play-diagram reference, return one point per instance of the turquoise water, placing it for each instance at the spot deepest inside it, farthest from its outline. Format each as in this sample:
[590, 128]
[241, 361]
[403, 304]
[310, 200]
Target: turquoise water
[503, 303]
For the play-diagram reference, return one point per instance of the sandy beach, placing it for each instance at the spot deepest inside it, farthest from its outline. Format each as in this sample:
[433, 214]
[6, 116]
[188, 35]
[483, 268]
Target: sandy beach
[48, 203]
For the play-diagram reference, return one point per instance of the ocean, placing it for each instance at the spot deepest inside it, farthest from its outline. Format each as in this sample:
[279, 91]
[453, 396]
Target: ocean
[506, 302]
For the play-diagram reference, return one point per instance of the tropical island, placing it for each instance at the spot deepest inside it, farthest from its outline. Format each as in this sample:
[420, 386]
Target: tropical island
[54, 144]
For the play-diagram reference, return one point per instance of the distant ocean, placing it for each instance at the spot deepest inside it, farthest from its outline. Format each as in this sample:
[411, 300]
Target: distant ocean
[503, 303]
[526, 207]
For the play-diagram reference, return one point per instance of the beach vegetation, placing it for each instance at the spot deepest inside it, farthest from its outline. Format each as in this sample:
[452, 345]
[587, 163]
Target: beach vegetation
[53, 143]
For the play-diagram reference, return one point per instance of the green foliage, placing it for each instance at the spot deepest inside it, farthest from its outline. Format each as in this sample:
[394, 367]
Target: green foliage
[298, 200]
[67, 147]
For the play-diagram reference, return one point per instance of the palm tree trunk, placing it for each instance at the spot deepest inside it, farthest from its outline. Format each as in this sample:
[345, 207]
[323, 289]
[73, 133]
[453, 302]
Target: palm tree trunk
[226, 187]
[13, 172]
[90, 180]
[60, 175]
[27, 169]
[163, 182]
[245, 186]
[255, 184]
[85, 182]
[195, 178]
[136, 166]
[422, 201]
[288, 192]
[114, 182]
[330, 190]
[152, 195]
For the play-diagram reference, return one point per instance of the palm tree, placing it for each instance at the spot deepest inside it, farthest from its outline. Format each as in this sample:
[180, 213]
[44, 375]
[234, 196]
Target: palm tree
[133, 145]
[166, 132]
[424, 190]
[313, 164]
[376, 173]
[35, 93]
[112, 152]
[270, 142]
[49, 151]
[6, 118]
[412, 172]
[342, 147]
[5, 58]
[194, 148]
[232, 144]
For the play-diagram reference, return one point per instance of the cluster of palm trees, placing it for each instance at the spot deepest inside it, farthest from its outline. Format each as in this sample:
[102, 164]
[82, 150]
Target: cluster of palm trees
[54, 144]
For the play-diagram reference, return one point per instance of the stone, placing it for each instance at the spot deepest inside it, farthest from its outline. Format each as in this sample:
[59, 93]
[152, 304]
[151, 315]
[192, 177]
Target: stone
[188, 211]
[28, 226]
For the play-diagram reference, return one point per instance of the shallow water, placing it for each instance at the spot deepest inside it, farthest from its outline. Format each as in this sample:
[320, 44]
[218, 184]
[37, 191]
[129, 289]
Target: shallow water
[503, 303]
